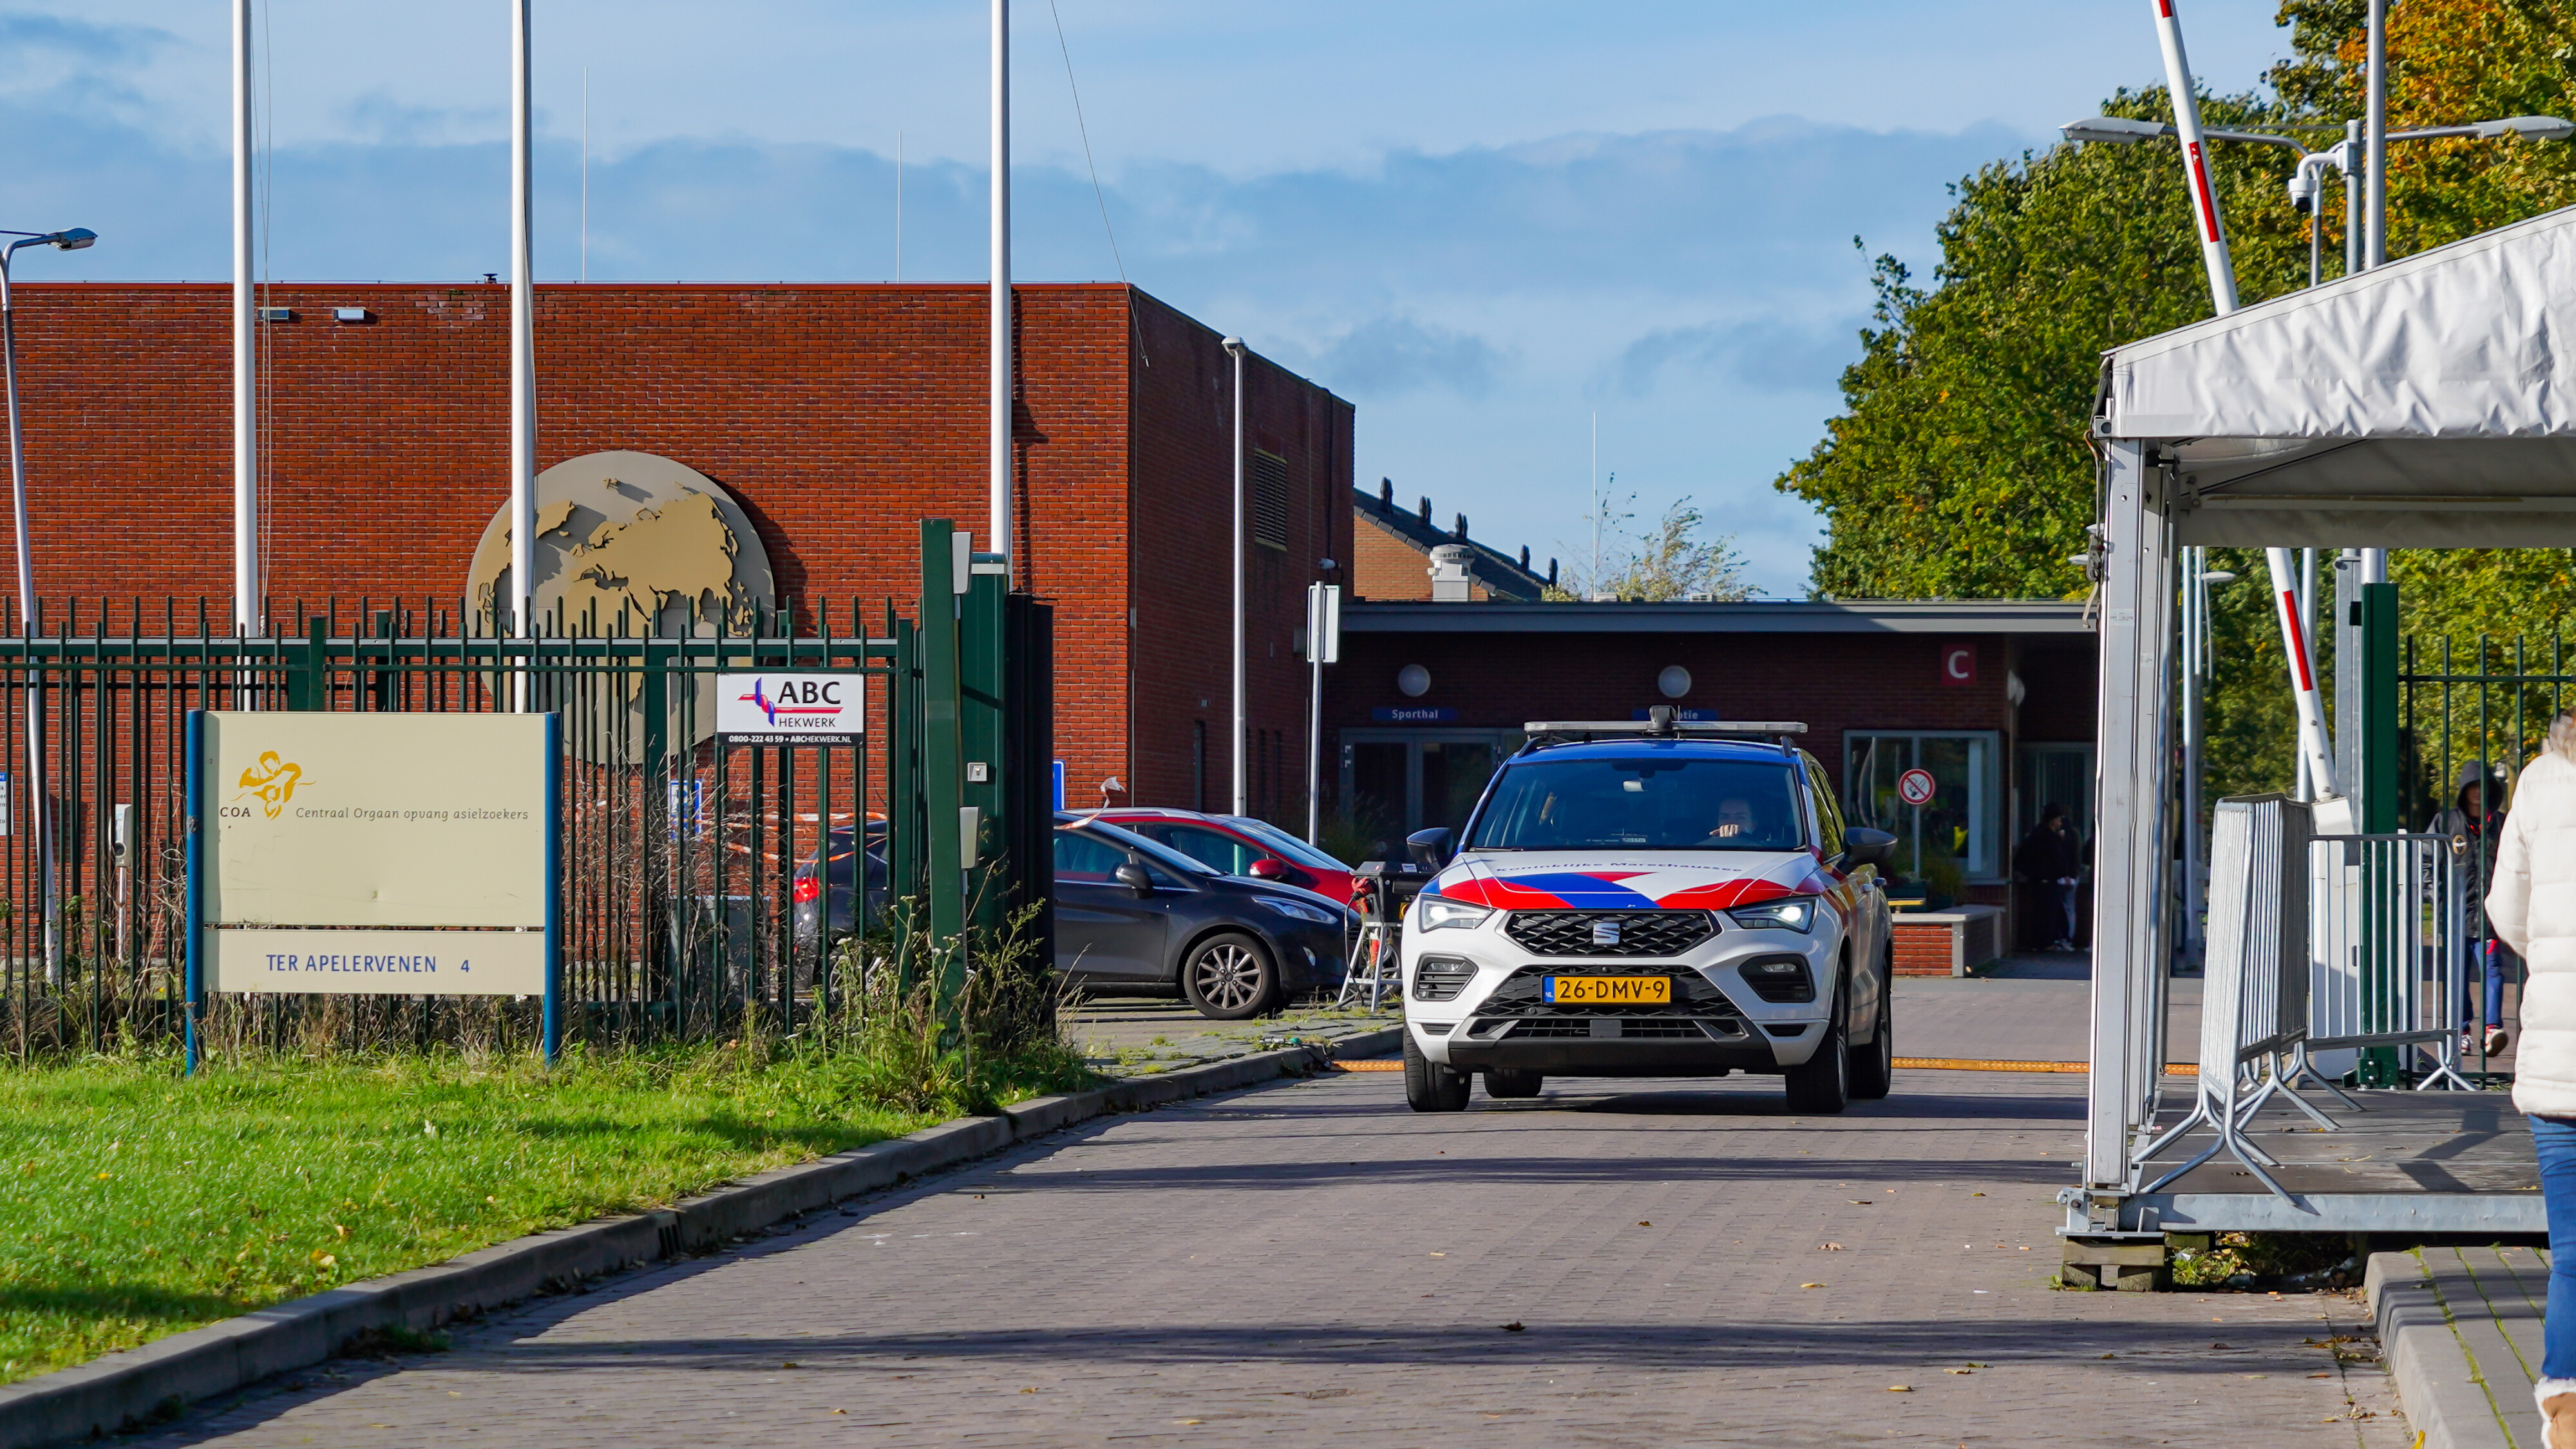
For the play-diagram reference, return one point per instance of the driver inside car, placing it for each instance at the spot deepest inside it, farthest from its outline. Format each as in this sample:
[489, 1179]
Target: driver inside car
[1734, 818]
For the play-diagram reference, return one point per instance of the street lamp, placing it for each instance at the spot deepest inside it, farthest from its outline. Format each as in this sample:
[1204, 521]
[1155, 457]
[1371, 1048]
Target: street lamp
[69, 241]
[2308, 181]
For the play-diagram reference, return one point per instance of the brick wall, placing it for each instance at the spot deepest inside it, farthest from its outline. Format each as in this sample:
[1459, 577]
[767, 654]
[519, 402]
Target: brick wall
[1184, 525]
[838, 416]
[1831, 682]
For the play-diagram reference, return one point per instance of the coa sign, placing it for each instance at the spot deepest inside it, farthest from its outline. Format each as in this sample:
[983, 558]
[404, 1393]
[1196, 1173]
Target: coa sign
[791, 707]
[366, 853]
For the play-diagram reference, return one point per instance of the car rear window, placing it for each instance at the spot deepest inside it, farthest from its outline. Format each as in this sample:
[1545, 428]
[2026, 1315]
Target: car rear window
[1662, 803]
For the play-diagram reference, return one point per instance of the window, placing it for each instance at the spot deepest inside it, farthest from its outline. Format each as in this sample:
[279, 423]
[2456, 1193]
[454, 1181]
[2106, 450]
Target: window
[1398, 781]
[2054, 775]
[1212, 848]
[1950, 838]
[1268, 483]
[1080, 857]
[1829, 819]
[1652, 803]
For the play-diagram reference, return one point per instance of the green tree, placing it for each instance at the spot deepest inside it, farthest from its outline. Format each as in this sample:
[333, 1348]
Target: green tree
[1674, 559]
[1960, 466]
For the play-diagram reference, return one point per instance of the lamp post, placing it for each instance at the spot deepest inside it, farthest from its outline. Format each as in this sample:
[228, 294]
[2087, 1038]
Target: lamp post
[1242, 794]
[2307, 184]
[69, 241]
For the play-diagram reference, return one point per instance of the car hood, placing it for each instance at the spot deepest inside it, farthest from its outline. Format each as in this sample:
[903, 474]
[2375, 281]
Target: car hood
[1638, 880]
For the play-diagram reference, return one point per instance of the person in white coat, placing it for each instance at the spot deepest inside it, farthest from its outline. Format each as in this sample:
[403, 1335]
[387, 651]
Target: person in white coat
[2531, 907]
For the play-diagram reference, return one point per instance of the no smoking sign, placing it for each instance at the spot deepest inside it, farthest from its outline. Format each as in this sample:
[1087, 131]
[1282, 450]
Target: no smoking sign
[1915, 787]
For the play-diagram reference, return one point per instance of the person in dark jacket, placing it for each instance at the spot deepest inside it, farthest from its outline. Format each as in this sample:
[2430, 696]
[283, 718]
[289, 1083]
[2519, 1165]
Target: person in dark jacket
[2474, 826]
[2049, 858]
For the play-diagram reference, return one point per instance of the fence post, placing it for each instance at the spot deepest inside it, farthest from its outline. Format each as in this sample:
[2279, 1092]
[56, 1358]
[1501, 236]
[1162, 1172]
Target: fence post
[1028, 772]
[2379, 1066]
[942, 767]
[983, 704]
[305, 667]
[661, 837]
[904, 816]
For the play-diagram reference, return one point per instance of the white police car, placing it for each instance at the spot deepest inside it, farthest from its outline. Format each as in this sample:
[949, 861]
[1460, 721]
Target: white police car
[1651, 900]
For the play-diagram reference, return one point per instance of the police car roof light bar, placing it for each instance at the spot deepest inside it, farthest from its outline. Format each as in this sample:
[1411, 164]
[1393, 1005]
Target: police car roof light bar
[1660, 723]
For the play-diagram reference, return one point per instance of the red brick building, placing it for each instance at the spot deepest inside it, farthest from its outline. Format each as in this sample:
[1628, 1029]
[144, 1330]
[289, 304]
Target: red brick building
[1401, 554]
[836, 415]
[1995, 700]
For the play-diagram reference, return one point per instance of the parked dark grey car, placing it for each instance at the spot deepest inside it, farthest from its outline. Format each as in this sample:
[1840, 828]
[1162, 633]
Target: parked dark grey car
[1137, 918]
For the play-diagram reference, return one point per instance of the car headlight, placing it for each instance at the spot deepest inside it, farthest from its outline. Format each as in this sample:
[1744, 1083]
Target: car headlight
[1795, 913]
[1435, 913]
[1298, 910]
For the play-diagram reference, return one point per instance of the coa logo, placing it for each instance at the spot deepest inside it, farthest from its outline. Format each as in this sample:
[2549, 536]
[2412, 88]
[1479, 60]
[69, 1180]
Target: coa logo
[273, 780]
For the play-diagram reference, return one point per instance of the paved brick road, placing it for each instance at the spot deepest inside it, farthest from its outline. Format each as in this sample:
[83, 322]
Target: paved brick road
[1312, 1260]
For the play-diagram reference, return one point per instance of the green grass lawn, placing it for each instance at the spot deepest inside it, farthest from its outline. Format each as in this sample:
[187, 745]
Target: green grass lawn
[134, 1204]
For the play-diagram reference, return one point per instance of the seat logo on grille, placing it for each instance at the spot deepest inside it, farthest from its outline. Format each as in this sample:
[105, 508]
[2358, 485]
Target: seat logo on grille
[1605, 933]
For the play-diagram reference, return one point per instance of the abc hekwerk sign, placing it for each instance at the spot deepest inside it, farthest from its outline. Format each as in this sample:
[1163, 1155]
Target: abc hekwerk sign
[791, 707]
[409, 854]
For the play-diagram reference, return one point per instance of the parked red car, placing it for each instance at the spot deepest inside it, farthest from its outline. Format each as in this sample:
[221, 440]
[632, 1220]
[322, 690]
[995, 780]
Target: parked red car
[1237, 845]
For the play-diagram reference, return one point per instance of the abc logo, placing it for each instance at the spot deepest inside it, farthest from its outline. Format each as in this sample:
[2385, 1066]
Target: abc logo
[808, 692]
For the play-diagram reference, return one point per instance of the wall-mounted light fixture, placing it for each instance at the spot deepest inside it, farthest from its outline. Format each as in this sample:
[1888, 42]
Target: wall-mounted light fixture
[352, 314]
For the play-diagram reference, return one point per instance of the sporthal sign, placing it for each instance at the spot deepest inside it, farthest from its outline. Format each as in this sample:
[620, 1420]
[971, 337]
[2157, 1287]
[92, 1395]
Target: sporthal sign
[779, 707]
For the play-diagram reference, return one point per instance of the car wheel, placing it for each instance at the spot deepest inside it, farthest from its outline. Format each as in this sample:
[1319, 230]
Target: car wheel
[1510, 1085]
[1429, 1086]
[1873, 1067]
[1229, 977]
[1822, 1083]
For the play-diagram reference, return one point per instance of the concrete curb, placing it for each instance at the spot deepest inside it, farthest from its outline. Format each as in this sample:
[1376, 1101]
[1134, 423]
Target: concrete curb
[2441, 1393]
[139, 1386]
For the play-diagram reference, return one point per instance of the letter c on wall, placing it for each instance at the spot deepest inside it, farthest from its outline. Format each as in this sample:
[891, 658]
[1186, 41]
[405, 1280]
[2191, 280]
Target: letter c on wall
[1959, 664]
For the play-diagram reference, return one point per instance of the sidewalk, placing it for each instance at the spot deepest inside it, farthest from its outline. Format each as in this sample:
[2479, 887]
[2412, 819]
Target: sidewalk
[2460, 1328]
[1128, 1037]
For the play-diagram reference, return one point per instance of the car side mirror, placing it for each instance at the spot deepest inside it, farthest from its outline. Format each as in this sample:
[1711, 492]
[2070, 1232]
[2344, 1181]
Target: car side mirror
[1132, 874]
[1430, 847]
[1864, 846]
[1266, 869]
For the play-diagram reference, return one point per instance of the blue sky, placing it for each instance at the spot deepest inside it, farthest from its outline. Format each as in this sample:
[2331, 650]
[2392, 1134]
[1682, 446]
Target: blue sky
[1484, 224]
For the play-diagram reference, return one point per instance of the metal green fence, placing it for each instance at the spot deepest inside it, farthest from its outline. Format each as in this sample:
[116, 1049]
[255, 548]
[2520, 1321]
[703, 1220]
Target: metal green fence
[682, 853]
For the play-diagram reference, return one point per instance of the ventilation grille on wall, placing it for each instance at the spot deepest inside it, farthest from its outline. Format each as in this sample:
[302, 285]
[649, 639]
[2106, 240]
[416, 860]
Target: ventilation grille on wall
[1269, 483]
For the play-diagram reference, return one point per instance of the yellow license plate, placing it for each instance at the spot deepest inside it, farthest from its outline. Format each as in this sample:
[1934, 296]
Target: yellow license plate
[1609, 990]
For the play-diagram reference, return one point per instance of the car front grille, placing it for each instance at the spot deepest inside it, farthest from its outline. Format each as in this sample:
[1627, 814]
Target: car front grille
[1609, 933]
[1547, 1026]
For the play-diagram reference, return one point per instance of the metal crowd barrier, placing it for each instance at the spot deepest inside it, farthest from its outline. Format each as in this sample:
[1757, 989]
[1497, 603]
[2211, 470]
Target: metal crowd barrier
[2253, 983]
[2388, 957]
[2316, 943]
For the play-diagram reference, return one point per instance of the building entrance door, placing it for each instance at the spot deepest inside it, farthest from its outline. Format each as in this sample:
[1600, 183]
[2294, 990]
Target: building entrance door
[1395, 782]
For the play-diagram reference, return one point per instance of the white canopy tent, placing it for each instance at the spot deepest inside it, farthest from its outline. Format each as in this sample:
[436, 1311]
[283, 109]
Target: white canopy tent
[2417, 405]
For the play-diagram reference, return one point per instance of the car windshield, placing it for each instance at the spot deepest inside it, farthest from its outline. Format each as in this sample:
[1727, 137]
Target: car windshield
[1667, 803]
[1153, 850]
[1284, 843]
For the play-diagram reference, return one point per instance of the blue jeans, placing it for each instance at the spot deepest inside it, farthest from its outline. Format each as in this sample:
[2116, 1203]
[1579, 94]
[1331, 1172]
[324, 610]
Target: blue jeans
[2554, 1138]
[2498, 961]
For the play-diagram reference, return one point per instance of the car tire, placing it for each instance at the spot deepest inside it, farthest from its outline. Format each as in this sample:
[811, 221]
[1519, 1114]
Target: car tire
[1873, 1067]
[1429, 1086]
[1821, 1085]
[1505, 1085]
[1229, 977]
